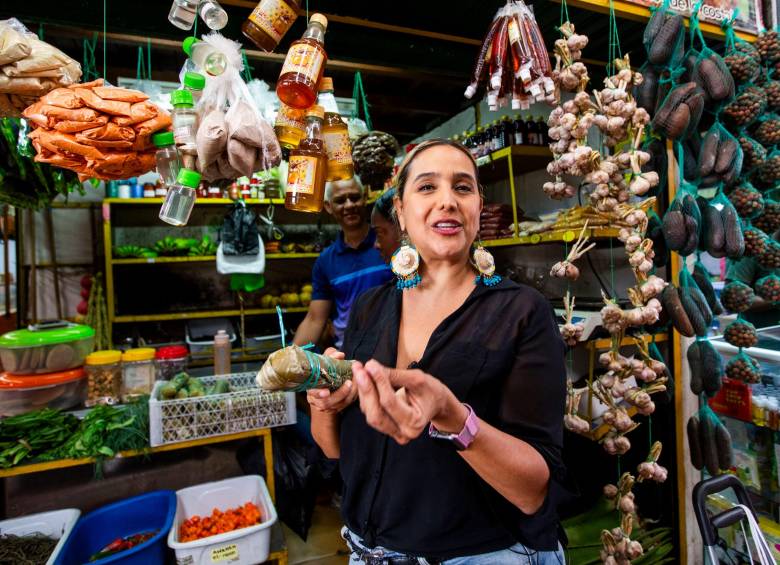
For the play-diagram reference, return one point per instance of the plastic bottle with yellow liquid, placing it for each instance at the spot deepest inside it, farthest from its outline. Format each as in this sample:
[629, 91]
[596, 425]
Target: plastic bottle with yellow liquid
[335, 134]
[307, 167]
[303, 66]
[269, 21]
[289, 126]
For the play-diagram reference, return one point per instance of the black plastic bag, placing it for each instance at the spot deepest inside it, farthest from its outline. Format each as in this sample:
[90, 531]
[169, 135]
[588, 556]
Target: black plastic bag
[239, 233]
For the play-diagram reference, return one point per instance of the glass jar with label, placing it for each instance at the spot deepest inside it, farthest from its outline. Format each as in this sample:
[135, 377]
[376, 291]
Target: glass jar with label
[137, 373]
[289, 126]
[104, 377]
[270, 21]
[335, 135]
[307, 167]
[303, 66]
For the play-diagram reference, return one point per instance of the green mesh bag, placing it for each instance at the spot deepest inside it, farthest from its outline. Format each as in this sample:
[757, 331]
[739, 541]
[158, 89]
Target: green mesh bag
[737, 297]
[646, 94]
[753, 153]
[755, 240]
[769, 171]
[769, 258]
[658, 162]
[742, 367]
[682, 220]
[768, 46]
[679, 113]
[664, 37]
[691, 146]
[707, 69]
[741, 57]
[733, 238]
[748, 104]
[772, 89]
[768, 288]
[747, 201]
[766, 130]
[720, 158]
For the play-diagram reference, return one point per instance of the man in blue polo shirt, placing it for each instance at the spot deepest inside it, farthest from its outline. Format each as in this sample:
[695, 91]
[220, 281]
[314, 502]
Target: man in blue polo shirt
[346, 268]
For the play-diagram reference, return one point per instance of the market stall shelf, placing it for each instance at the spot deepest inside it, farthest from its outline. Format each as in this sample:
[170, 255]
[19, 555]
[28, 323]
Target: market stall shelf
[204, 258]
[552, 237]
[206, 314]
[199, 202]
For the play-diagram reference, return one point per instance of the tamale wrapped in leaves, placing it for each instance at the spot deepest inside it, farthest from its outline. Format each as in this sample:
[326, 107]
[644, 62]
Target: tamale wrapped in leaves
[294, 368]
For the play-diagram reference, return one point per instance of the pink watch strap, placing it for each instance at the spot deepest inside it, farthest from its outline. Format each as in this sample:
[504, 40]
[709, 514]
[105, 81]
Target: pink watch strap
[466, 436]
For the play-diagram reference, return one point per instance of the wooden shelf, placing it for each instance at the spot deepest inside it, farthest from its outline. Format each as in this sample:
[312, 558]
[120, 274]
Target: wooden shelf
[204, 258]
[198, 202]
[206, 314]
[606, 343]
[552, 237]
[525, 158]
[65, 463]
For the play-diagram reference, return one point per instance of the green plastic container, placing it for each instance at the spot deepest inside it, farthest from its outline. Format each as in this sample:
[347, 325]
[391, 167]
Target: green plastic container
[46, 348]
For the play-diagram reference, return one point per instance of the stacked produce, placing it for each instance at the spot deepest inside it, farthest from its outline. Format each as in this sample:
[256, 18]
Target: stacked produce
[169, 247]
[95, 130]
[29, 68]
[513, 61]
[287, 295]
[220, 522]
[495, 221]
[184, 386]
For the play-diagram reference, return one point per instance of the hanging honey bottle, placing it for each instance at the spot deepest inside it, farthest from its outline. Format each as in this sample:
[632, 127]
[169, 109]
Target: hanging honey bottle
[303, 66]
[307, 167]
[335, 134]
[269, 21]
[289, 126]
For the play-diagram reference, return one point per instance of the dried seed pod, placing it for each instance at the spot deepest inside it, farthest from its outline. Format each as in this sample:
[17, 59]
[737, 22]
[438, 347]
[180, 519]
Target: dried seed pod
[743, 368]
[715, 78]
[694, 442]
[670, 298]
[709, 151]
[713, 238]
[696, 365]
[741, 333]
[666, 41]
[735, 242]
[737, 297]
[712, 379]
[709, 445]
[723, 442]
[768, 288]
[696, 316]
[702, 278]
[674, 227]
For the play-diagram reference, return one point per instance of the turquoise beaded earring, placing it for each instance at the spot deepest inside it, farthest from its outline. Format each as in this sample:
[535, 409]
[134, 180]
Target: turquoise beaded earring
[405, 263]
[483, 260]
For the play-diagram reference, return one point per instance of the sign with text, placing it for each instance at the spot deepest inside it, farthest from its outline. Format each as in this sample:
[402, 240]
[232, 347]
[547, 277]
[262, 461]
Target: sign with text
[716, 11]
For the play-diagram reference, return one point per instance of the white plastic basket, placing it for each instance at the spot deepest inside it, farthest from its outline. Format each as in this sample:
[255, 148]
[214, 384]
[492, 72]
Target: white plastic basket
[55, 524]
[245, 408]
[246, 546]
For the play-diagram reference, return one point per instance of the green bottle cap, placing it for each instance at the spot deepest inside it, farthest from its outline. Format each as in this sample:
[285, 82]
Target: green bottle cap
[194, 80]
[181, 98]
[188, 178]
[163, 139]
[187, 45]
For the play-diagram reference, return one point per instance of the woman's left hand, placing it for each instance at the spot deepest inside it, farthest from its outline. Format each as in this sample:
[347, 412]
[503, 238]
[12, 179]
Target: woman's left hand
[401, 403]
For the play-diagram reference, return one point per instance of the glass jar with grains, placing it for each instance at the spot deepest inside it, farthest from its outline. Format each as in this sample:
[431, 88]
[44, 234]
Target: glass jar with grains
[137, 373]
[104, 377]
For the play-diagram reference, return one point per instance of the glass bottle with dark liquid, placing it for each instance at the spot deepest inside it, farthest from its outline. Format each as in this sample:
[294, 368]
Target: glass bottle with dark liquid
[303, 66]
[308, 166]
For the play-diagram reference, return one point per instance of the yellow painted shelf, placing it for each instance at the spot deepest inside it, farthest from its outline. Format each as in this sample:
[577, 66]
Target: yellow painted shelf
[198, 202]
[204, 258]
[205, 314]
[606, 343]
[602, 430]
[551, 236]
[65, 463]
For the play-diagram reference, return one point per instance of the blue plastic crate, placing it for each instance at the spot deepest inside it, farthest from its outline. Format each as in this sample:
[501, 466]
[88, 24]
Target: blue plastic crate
[144, 513]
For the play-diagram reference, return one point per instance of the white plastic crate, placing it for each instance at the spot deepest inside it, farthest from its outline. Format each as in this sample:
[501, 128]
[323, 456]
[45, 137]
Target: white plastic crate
[245, 408]
[246, 546]
[55, 524]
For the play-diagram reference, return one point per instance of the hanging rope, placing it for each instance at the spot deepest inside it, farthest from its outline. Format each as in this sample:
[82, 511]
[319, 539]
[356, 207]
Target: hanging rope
[40, 31]
[281, 326]
[564, 12]
[359, 96]
[195, 28]
[105, 8]
[614, 40]
[247, 72]
[88, 66]
[307, 12]
[149, 58]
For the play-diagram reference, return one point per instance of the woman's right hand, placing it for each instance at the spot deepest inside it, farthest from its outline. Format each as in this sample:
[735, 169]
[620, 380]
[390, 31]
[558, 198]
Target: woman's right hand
[332, 402]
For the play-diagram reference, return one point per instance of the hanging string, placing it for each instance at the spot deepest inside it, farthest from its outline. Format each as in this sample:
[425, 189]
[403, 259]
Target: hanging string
[105, 8]
[281, 326]
[614, 40]
[88, 65]
[564, 12]
[359, 96]
[149, 58]
[307, 12]
[40, 31]
[195, 28]
[247, 72]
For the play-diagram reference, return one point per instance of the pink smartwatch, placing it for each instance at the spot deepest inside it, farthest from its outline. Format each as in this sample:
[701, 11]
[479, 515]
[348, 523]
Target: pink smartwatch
[466, 436]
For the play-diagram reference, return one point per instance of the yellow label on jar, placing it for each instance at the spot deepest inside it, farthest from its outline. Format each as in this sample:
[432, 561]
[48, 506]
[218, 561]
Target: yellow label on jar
[225, 553]
[304, 59]
[338, 147]
[274, 17]
[302, 170]
[290, 117]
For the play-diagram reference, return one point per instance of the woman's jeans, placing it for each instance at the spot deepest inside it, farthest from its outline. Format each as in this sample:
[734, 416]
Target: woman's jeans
[518, 554]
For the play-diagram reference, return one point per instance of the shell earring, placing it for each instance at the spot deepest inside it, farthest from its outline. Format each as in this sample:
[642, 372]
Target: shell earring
[405, 263]
[486, 265]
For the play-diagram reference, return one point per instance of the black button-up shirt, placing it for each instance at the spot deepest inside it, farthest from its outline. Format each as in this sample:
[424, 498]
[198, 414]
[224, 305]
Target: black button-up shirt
[501, 352]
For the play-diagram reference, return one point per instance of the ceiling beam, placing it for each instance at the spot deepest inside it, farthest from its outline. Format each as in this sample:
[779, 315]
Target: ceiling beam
[426, 75]
[362, 22]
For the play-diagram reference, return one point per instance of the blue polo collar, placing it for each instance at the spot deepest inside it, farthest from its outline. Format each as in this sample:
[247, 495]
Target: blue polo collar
[367, 243]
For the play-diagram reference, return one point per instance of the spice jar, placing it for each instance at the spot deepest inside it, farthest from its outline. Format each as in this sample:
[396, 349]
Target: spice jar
[170, 361]
[104, 377]
[137, 373]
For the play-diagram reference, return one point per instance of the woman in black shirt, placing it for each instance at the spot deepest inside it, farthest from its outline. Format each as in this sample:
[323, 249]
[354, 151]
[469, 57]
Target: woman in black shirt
[456, 358]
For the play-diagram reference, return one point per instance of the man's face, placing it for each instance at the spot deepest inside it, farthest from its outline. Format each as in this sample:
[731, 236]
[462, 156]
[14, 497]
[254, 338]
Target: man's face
[347, 205]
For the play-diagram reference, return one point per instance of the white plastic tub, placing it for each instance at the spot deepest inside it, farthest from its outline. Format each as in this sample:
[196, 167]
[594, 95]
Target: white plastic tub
[247, 546]
[54, 524]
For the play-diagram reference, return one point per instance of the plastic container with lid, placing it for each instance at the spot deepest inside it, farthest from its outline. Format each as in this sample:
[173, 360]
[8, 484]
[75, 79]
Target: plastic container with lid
[24, 393]
[195, 83]
[170, 361]
[167, 157]
[46, 348]
[137, 373]
[104, 377]
[205, 56]
[184, 120]
[180, 199]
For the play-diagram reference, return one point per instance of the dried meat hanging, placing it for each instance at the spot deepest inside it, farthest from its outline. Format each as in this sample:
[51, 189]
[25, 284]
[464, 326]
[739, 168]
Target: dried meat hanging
[513, 62]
